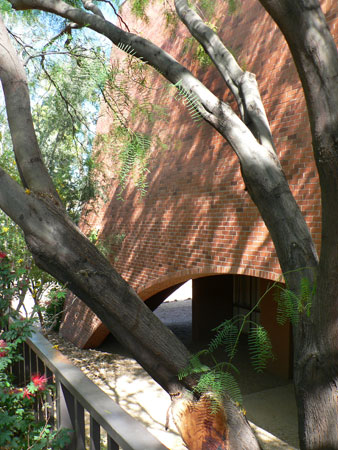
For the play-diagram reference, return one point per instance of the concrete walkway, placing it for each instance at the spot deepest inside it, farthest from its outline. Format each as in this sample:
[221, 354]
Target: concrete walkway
[268, 400]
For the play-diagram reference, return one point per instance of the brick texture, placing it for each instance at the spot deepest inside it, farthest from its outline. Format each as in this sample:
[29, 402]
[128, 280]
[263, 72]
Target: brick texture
[196, 218]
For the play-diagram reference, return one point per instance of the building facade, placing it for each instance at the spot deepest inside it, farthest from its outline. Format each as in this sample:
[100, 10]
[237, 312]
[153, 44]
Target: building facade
[196, 220]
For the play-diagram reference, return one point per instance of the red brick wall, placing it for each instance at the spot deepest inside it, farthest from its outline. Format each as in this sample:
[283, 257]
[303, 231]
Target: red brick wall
[196, 218]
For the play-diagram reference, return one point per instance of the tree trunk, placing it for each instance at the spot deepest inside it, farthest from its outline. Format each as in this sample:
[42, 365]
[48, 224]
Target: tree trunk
[316, 339]
[152, 344]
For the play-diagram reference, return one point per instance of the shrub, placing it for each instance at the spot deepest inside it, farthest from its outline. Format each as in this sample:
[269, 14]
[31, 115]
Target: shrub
[24, 422]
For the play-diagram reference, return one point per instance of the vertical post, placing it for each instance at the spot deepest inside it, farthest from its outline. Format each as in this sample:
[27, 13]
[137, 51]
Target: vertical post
[80, 427]
[16, 369]
[94, 434]
[34, 363]
[21, 364]
[65, 411]
[112, 444]
[27, 363]
[50, 399]
[42, 413]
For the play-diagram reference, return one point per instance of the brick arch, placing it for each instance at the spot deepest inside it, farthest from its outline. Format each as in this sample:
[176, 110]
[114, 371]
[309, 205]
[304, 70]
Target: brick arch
[162, 283]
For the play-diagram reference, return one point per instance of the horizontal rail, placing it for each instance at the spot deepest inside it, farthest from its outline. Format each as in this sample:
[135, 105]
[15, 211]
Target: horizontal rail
[124, 430]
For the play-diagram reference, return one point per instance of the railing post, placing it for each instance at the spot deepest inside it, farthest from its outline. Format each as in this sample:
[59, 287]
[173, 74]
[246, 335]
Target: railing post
[94, 434]
[65, 411]
[27, 363]
[80, 427]
[50, 399]
[112, 444]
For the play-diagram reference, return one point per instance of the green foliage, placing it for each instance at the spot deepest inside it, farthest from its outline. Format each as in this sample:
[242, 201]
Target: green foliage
[260, 347]
[131, 149]
[26, 278]
[233, 6]
[189, 100]
[138, 8]
[5, 6]
[76, 3]
[134, 152]
[291, 305]
[226, 337]
[66, 75]
[53, 309]
[108, 244]
[217, 381]
[207, 8]
[196, 50]
[171, 20]
[19, 426]
[218, 377]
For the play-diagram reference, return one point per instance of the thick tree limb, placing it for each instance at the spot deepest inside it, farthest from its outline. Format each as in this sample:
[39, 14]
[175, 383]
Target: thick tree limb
[93, 8]
[242, 84]
[261, 170]
[316, 364]
[13, 78]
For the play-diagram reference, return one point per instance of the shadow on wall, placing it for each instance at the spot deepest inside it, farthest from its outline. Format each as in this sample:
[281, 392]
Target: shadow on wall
[196, 218]
[196, 214]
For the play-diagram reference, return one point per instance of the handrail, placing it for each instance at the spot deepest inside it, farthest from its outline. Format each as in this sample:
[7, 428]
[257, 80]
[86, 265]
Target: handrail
[123, 429]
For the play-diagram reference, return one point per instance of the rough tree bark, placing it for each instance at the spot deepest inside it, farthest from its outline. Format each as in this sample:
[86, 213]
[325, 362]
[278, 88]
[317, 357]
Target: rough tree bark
[316, 340]
[315, 55]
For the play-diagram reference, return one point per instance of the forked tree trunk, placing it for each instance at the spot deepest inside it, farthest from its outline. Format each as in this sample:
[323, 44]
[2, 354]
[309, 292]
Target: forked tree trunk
[316, 339]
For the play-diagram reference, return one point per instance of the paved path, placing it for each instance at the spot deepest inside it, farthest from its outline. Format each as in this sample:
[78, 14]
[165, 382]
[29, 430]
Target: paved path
[269, 401]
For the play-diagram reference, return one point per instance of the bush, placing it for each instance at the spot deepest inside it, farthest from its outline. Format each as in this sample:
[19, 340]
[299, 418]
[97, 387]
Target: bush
[21, 426]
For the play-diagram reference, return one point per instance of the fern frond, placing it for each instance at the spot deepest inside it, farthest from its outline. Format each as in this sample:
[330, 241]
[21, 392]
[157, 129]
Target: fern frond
[306, 294]
[126, 48]
[219, 382]
[195, 366]
[226, 336]
[291, 304]
[190, 100]
[287, 308]
[134, 152]
[260, 347]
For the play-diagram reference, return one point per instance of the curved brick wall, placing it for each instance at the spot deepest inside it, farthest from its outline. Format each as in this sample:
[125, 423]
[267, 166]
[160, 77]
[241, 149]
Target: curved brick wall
[196, 218]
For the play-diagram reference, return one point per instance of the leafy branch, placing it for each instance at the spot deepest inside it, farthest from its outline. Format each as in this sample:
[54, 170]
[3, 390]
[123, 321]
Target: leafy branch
[218, 377]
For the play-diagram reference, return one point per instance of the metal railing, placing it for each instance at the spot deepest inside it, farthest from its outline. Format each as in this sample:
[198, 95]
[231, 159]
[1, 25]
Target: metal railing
[77, 396]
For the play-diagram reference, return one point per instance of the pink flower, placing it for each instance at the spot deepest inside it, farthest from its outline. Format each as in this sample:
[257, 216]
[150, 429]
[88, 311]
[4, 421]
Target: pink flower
[3, 255]
[39, 381]
[3, 345]
[27, 394]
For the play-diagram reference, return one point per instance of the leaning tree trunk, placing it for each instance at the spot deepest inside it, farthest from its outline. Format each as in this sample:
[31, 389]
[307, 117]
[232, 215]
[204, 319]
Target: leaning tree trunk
[316, 339]
[59, 248]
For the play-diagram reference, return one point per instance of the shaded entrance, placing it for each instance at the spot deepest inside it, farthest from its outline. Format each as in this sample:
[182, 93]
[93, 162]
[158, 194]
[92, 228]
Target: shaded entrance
[219, 297]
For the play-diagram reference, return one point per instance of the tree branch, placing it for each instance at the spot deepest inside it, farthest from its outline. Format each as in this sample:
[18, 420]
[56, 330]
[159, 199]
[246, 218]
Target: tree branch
[93, 8]
[261, 170]
[242, 84]
[32, 170]
[141, 48]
